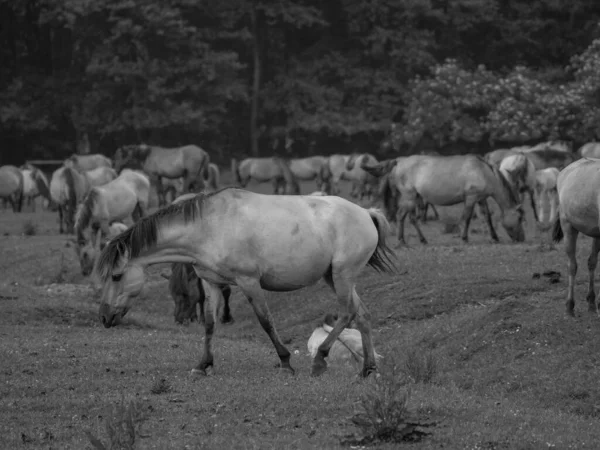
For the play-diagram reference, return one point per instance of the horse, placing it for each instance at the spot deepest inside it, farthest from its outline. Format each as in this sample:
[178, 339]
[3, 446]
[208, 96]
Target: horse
[579, 212]
[258, 243]
[549, 157]
[560, 146]
[125, 196]
[288, 184]
[68, 187]
[449, 180]
[214, 177]
[260, 170]
[190, 162]
[11, 186]
[99, 176]
[312, 168]
[363, 180]
[174, 186]
[547, 195]
[521, 173]
[590, 150]
[495, 157]
[337, 169]
[87, 162]
[35, 184]
[89, 251]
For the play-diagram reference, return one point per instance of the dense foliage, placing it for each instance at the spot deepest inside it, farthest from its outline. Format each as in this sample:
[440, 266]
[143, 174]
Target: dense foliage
[241, 76]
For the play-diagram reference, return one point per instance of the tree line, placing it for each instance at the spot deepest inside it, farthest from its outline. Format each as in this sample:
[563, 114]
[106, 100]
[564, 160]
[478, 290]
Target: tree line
[296, 77]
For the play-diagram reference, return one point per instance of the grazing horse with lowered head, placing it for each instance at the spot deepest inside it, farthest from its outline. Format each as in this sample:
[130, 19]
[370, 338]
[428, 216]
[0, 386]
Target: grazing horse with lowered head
[126, 196]
[579, 212]
[87, 162]
[189, 162]
[11, 186]
[547, 196]
[68, 187]
[312, 168]
[450, 180]
[258, 243]
[520, 172]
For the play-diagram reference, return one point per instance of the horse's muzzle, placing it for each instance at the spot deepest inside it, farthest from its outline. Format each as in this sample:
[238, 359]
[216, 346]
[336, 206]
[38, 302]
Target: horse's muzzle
[110, 316]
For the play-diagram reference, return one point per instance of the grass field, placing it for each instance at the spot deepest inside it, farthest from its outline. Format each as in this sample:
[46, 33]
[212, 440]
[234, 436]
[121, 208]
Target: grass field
[513, 372]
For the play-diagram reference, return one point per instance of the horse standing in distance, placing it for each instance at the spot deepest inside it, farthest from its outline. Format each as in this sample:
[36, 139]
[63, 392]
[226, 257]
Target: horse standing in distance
[590, 150]
[450, 180]
[521, 173]
[547, 196]
[288, 185]
[11, 186]
[87, 162]
[190, 162]
[35, 184]
[312, 168]
[126, 196]
[259, 170]
[579, 212]
[258, 243]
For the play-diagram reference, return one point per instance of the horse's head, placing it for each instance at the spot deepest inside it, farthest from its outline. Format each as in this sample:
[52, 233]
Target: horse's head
[131, 157]
[120, 288]
[512, 221]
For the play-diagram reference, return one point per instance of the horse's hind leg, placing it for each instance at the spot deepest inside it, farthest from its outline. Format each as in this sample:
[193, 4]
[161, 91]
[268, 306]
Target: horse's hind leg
[571, 234]
[488, 217]
[256, 296]
[592, 264]
[467, 215]
[227, 318]
[60, 219]
[210, 315]
[533, 205]
[346, 294]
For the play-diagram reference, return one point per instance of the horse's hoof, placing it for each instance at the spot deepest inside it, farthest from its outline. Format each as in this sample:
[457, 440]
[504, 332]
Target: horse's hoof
[318, 369]
[198, 372]
[368, 371]
[228, 321]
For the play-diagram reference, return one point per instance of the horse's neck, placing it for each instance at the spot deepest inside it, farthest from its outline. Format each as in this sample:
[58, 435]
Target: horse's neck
[500, 192]
[172, 245]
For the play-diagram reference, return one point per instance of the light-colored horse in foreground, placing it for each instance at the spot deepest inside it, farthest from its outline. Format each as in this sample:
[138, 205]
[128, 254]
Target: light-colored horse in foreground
[87, 162]
[521, 174]
[11, 186]
[258, 243]
[450, 180]
[312, 168]
[126, 196]
[579, 212]
[189, 162]
[547, 196]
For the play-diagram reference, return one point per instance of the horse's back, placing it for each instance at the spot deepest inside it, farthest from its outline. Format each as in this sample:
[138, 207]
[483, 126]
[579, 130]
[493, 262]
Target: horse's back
[11, 180]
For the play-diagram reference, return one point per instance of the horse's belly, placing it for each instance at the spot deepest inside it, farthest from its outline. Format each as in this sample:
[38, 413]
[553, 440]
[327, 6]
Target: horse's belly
[281, 280]
[442, 197]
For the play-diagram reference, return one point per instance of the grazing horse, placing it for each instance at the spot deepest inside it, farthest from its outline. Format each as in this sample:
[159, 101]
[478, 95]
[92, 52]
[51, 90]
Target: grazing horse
[11, 186]
[520, 172]
[312, 168]
[68, 187]
[449, 180]
[258, 243]
[126, 196]
[579, 212]
[365, 182]
[89, 251]
[190, 162]
[261, 170]
[547, 196]
[87, 162]
[590, 150]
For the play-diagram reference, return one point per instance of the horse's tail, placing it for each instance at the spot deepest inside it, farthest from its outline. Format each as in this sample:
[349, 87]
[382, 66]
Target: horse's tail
[557, 231]
[382, 259]
[84, 215]
[351, 161]
[235, 171]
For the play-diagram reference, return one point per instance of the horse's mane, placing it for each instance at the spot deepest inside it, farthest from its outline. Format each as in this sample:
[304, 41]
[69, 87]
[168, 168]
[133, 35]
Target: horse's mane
[144, 233]
[84, 214]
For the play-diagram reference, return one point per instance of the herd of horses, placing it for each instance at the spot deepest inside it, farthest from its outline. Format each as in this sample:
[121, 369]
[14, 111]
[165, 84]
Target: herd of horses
[216, 237]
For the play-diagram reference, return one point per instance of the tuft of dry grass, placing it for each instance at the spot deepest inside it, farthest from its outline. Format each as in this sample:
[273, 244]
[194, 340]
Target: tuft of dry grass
[30, 228]
[421, 367]
[122, 427]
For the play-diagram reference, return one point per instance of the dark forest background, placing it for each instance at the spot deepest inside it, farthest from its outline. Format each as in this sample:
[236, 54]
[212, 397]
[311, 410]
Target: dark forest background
[296, 77]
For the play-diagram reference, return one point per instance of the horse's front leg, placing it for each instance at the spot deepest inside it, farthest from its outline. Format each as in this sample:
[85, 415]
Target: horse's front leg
[488, 217]
[210, 314]
[571, 234]
[60, 219]
[257, 298]
[403, 211]
[226, 318]
[533, 205]
[592, 264]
